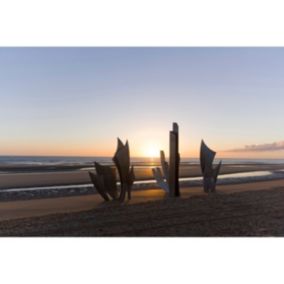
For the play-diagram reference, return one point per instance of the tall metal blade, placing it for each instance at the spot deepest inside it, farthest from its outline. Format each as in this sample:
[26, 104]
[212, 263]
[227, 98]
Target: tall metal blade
[99, 185]
[206, 157]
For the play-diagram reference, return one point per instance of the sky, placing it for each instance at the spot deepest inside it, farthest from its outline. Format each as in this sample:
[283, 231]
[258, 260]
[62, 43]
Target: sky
[77, 101]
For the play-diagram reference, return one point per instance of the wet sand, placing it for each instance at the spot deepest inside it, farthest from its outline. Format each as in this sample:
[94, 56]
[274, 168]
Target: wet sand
[254, 209]
[36, 179]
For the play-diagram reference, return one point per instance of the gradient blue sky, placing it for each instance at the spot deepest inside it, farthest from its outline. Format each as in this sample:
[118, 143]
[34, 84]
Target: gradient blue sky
[76, 101]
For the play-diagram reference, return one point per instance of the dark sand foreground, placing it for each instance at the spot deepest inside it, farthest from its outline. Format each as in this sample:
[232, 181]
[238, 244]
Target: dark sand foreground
[255, 209]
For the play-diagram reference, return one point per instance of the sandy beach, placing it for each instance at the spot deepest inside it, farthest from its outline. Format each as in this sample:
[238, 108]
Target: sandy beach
[62, 177]
[82, 212]
[254, 209]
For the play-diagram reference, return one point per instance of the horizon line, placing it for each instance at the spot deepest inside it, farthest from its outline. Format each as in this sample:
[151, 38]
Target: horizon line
[134, 157]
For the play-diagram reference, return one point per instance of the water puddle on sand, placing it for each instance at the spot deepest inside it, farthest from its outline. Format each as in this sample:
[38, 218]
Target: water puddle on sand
[230, 178]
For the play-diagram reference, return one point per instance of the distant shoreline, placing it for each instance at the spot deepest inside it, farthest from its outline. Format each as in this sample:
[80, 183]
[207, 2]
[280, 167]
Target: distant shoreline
[8, 169]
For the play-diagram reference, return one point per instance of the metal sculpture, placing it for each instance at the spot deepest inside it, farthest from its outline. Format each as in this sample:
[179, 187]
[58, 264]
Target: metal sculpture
[126, 173]
[162, 175]
[174, 162]
[210, 174]
[105, 178]
[168, 177]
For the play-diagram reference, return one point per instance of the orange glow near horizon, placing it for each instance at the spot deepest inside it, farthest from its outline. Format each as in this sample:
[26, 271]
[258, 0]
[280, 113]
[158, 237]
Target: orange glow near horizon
[138, 148]
[60, 149]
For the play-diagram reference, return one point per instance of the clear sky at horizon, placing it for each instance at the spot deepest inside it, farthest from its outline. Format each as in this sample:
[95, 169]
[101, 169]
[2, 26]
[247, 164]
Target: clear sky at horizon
[76, 101]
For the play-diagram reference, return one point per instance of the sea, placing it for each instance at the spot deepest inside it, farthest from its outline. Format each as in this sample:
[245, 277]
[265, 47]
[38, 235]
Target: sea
[88, 161]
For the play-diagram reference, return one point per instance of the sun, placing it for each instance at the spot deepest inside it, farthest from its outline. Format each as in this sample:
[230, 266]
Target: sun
[151, 151]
